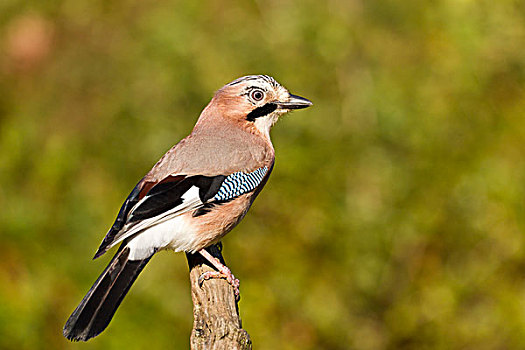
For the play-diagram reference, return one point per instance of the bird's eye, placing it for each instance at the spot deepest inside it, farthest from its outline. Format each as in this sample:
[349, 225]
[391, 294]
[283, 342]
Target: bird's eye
[257, 95]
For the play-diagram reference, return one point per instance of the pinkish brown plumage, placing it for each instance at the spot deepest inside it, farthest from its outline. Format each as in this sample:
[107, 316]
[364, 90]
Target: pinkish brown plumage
[193, 196]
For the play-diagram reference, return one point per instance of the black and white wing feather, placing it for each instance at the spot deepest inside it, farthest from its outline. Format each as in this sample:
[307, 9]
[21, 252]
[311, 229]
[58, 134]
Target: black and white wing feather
[153, 203]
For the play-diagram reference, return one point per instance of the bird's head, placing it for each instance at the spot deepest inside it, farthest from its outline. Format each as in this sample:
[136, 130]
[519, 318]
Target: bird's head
[256, 101]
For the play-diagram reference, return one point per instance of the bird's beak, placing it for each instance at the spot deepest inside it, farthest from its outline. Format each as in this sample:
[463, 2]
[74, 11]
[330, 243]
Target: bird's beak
[294, 102]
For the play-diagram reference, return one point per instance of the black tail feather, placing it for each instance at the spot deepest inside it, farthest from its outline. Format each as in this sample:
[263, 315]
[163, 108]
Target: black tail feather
[95, 311]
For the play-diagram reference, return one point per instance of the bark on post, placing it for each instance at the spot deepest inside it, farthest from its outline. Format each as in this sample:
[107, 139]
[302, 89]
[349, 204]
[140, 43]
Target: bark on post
[216, 321]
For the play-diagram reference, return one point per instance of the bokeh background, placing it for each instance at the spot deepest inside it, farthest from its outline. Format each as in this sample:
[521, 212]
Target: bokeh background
[395, 215]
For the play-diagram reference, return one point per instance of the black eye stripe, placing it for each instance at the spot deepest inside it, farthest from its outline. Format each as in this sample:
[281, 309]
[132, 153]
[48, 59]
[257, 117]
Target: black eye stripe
[261, 111]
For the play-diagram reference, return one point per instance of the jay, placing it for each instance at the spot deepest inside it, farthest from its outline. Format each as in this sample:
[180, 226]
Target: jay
[195, 194]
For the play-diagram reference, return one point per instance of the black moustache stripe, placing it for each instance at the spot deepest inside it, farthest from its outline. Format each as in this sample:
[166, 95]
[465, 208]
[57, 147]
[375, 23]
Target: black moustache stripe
[261, 111]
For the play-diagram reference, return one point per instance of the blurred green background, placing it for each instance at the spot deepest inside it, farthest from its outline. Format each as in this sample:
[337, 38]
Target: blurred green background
[393, 219]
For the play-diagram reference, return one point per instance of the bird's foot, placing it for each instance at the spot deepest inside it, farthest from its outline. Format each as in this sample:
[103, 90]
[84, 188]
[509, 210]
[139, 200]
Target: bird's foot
[229, 277]
[223, 272]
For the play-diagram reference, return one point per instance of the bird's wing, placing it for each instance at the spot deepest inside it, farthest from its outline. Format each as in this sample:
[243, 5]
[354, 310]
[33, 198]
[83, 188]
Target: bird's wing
[152, 203]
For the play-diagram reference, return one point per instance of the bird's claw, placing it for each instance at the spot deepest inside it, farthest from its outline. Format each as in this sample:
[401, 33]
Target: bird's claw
[228, 276]
[208, 275]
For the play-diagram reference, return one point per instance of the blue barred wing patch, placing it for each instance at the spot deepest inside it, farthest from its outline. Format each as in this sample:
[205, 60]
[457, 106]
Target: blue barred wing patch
[239, 183]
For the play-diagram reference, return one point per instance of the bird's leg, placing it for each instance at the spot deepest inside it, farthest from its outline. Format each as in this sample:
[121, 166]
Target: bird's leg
[223, 272]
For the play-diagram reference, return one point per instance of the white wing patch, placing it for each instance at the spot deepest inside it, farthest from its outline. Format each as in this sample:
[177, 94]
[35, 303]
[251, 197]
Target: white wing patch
[190, 201]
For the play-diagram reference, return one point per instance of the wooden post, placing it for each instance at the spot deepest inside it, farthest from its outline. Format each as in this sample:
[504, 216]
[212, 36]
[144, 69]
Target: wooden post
[216, 321]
